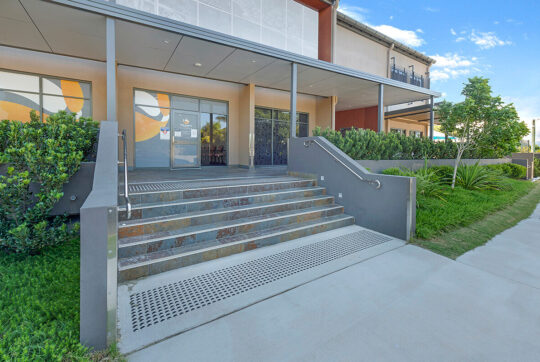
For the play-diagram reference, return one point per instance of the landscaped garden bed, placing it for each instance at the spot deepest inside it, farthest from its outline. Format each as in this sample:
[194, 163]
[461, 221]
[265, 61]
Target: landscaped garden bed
[480, 192]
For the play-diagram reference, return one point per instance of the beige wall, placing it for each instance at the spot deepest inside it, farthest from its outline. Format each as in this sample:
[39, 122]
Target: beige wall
[129, 78]
[412, 126]
[61, 66]
[358, 52]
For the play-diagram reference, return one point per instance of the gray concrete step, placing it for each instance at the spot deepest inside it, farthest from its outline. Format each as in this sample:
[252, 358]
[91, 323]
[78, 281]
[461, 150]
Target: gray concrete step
[193, 189]
[155, 209]
[143, 241]
[151, 263]
[182, 220]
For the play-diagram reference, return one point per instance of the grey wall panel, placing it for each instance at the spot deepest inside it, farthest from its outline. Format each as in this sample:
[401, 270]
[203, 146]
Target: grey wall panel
[390, 209]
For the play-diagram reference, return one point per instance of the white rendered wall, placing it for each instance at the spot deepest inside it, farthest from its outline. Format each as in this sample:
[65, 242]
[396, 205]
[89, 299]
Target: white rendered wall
[283, 24]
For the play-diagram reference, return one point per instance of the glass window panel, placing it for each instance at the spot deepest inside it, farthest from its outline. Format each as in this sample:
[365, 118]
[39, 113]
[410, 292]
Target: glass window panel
[67, 88]
[263, 142]
[18, 81]
[16, 106]
[302, 129]
[263, 113]
[152, 138]
[281, 133]
[303, 117]
[185, 103]
[53, 104]
[213, 107]
[283, 116]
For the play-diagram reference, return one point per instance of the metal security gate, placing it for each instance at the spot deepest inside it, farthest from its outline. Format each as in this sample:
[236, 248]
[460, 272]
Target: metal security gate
[272, 133]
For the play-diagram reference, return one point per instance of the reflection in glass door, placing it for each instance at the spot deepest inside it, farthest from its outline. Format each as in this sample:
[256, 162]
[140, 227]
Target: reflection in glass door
[185, 140]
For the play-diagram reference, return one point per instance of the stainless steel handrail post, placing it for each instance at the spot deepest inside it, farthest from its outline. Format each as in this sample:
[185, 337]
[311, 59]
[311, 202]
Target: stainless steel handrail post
[126, 192]
[375, 182]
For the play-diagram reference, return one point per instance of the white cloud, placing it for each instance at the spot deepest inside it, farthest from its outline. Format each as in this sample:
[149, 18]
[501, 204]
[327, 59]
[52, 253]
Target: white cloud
[487, 40]
[391, 17]
[451, 65]
[419, 31]
[355, 12]
[496, 22]
[431, 10]
[453, 32]
[407, 37]
[460, 39]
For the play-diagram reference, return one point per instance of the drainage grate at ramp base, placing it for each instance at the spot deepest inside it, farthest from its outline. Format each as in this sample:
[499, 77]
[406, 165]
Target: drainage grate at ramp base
[159, 304]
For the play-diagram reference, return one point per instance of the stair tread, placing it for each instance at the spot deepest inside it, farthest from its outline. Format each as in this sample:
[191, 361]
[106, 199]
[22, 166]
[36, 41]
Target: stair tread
[128, 223]
[209, 184]
[132, 240]
[214, 198]
[134, 261]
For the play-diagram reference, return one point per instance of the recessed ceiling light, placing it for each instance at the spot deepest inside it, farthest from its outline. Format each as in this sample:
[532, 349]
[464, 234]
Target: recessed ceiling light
[198, 64]
[166, 41]
[253, 61]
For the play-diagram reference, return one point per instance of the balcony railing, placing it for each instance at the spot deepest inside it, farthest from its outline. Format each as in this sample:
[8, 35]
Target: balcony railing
[402, 75]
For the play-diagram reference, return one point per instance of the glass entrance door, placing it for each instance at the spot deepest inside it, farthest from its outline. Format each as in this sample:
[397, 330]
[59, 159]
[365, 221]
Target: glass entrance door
[185, 140]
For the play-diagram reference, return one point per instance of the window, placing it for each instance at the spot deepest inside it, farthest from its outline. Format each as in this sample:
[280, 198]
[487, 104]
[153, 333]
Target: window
[272, 130]
[399, 130]
[21, 93]
[417, 134]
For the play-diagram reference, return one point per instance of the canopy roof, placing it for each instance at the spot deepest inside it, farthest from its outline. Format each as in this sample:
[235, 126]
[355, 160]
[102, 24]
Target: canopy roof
[77, 28]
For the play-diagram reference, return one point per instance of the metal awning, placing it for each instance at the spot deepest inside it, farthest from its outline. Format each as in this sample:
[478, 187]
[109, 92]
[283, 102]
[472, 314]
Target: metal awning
[77, 28]
[412, 114]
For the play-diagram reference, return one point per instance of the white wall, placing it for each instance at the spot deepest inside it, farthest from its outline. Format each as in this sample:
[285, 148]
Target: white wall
[283, 24]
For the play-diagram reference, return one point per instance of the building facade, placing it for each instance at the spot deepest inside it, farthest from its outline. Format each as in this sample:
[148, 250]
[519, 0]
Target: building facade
[208, 82]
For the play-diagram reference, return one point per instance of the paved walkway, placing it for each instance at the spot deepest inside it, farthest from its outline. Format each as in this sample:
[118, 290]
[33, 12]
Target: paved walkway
[407, 304]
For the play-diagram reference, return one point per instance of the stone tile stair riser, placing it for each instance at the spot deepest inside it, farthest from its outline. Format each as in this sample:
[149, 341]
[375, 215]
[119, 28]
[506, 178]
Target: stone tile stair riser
[211, 254]
[217, 191]
[205, 205]
[223, 215]
[166, 243]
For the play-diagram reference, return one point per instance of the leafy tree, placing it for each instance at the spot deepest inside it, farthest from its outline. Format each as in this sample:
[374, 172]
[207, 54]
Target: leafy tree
[481, 122]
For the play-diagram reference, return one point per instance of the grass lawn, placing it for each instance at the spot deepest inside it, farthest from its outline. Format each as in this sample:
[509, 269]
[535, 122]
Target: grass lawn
[39, 306]
[468, 219]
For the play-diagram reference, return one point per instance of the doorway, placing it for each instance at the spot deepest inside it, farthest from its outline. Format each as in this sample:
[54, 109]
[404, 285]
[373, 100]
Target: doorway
[176, 132]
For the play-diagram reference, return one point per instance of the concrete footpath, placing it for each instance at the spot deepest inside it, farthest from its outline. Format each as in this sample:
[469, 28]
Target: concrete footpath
[405, 305]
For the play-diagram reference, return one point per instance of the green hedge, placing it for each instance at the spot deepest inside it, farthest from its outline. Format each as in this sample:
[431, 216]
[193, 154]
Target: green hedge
[511, 170]
[365, 144]
[44, 154]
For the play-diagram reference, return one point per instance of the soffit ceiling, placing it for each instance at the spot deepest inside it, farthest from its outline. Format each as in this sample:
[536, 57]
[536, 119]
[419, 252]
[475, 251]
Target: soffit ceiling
[49, 27]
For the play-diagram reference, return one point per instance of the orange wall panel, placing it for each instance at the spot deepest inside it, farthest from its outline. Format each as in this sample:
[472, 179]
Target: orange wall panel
[357, 118]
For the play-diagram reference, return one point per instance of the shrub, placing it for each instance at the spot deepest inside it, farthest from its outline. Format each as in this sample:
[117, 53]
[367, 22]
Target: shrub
[511, 170]
[428, 182]
[41, 157]
[394, 171]
[537, 167]
[476, 177]
[365, 144]
[444, 172]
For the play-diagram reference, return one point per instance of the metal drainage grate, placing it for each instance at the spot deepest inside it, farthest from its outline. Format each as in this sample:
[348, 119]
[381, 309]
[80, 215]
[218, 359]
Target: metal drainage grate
[186, 185]
[156, 305]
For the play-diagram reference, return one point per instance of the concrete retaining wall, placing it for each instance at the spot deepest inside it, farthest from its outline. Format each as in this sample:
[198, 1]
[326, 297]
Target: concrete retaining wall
[377, 166]
[75, 191]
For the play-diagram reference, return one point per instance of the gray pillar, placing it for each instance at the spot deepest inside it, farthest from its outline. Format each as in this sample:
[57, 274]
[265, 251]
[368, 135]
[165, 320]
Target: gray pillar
[294, 83]
[380, 111]
[111, 69]
[431, 118]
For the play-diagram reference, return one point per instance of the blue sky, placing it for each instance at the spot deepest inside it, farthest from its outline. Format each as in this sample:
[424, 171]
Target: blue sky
[496, 39]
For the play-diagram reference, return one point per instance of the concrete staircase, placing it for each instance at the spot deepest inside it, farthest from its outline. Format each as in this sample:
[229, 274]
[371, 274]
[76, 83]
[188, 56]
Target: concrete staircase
[177, 224]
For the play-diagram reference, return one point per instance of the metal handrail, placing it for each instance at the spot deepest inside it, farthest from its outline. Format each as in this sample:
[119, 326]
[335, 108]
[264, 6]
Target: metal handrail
[126, 192]
[375, 182]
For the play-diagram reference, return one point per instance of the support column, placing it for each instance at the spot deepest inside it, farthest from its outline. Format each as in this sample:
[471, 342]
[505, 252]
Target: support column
[431, 118]
[111, 69]
[380, 110]
[294, 85]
